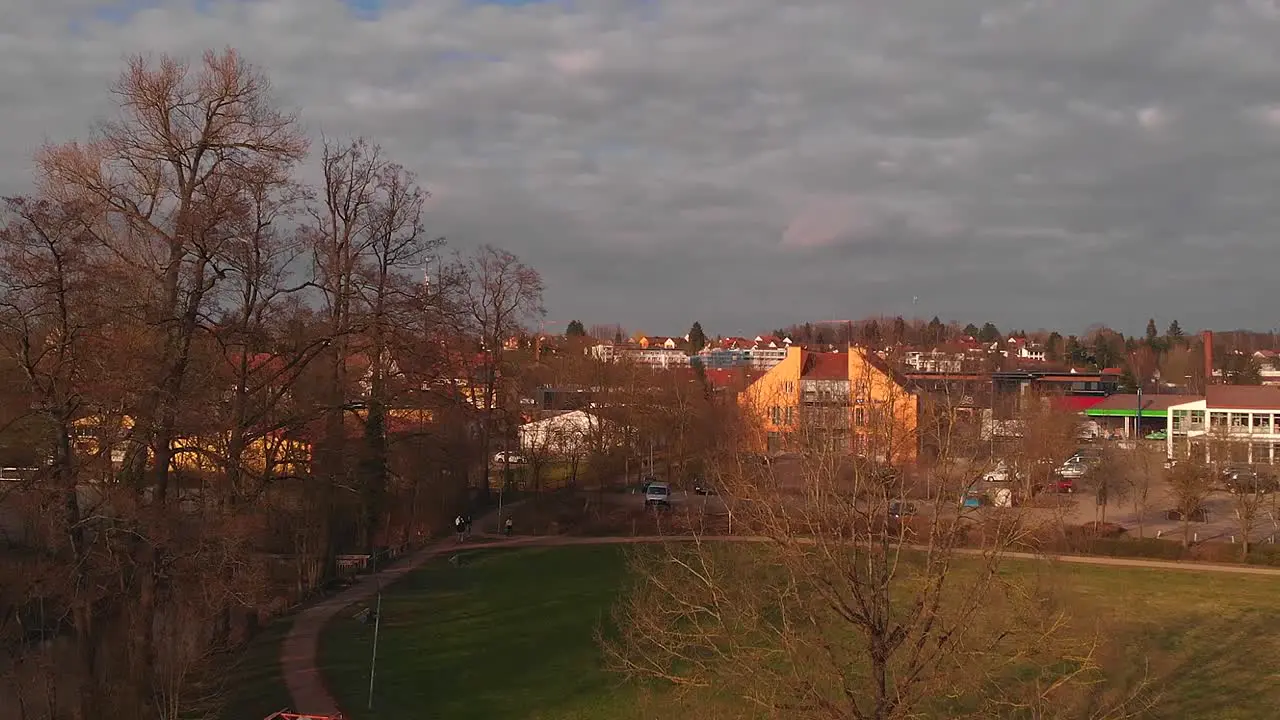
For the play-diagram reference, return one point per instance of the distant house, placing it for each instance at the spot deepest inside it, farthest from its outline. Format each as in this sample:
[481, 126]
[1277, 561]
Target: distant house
[760, 353]
[655, 352]
[1020, 349]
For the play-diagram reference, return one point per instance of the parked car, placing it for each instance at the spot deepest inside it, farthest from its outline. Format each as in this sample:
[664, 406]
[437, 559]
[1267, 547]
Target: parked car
[657, 494]
[1084, 456]
[504, 457]
[1246, 481]
[898, 509]
[1066, 485]
[1201, 514]
[1072, 470]
[973, 499]
[1157, 435]
[998, 474]
[702, 487]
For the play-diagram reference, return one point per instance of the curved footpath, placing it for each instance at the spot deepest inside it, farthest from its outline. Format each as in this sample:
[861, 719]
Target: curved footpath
[300, 649]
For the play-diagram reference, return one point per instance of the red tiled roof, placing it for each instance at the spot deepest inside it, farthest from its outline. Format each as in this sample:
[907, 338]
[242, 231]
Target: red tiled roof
[1243, 397]
[1149, 402]
[1076, 403]
[826, 366]
[728, 378]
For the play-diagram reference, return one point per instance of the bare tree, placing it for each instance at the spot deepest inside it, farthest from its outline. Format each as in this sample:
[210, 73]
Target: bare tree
[163, 184]
[1143, 469]
[849, 607]
[1191, 482]
[47, 308]
[1249, 492]
[499, 294]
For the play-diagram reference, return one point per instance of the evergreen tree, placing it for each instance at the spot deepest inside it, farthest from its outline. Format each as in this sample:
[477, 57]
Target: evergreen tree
[1128, 383]
[1174, 333]
[971, 330]
[697, 339]
[1053, 350]
[1073, 351]
[899, 330]
[871, 334]
[575, 329]
[936, 332]
[1152, 333]
[989, 333]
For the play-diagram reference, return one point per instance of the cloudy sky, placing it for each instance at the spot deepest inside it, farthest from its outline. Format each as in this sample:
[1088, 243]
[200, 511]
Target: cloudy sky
[748, 163]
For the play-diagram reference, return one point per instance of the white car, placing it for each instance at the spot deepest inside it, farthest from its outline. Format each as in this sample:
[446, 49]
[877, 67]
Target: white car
[1073, 470]
[507, 457]
[999, 474]
[657, 493]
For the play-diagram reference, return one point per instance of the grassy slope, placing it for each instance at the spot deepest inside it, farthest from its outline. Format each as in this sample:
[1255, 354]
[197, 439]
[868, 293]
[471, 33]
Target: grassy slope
[255, 688]
[507, 635]
[510, 635]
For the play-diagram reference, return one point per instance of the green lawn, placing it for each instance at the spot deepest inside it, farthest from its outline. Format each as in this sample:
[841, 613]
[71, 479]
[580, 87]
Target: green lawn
[254, 688]
[510, 635]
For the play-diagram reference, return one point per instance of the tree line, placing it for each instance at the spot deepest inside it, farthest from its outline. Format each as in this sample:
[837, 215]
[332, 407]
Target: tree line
[218, 379]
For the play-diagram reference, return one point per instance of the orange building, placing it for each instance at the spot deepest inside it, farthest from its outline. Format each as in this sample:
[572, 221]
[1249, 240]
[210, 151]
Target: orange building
[848, 401]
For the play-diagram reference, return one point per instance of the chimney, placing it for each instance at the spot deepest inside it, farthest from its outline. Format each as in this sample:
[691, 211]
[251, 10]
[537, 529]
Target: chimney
[1208, 357]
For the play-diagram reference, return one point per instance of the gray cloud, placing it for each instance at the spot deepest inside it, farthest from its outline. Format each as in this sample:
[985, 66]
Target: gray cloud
[749, 163]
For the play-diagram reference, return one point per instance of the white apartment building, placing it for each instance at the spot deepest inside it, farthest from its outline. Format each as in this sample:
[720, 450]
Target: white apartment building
[654, 356]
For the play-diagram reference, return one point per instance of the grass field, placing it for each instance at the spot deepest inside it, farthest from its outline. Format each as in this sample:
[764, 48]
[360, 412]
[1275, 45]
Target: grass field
[510, 635]
[253, 684]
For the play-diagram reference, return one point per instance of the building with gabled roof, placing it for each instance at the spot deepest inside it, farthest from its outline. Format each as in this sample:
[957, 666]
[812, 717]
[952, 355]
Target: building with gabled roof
[849, 402]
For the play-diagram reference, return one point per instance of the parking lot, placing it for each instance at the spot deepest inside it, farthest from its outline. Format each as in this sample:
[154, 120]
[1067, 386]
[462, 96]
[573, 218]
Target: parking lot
[1075, 508]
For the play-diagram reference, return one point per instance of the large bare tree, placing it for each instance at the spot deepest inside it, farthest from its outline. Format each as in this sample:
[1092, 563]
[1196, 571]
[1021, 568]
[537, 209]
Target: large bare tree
[869, 592]
[499, 294]
[162, 187]
[48, 307]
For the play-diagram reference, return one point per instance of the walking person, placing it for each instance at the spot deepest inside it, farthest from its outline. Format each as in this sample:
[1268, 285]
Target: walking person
[466, 521]
[506, 527]
[460, 527]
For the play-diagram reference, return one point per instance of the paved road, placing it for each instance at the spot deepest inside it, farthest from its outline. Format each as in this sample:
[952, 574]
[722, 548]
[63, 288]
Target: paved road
[300, 649]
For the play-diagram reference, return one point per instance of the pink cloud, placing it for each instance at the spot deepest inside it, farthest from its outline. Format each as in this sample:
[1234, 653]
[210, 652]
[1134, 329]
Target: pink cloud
[824, 221]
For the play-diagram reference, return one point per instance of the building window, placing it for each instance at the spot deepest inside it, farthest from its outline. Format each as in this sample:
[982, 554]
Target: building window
[1197, 417]
[790, 414]
[775, 414]
[1217, 419]
[1239, 420]
[859, 416]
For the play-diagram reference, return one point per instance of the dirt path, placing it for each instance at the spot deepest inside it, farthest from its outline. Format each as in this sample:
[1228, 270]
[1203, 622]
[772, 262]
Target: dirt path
[300, 650]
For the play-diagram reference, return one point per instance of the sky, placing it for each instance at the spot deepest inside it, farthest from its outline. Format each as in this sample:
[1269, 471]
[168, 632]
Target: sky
[752, 163]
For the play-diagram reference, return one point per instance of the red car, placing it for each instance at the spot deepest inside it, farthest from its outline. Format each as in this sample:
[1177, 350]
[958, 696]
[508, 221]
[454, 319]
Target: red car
[1066, 485]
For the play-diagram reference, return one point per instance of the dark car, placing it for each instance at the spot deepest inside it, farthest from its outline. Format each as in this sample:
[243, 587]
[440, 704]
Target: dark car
[1249, 482]
[702, 487]
[899, 509]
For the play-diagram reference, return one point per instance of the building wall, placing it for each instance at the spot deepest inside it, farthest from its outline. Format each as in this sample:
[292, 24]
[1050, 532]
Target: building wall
[773, 401]
[886, 415]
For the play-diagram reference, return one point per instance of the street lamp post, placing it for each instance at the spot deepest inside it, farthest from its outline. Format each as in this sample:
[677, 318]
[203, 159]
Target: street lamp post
[373, 660]
[1137, 420]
